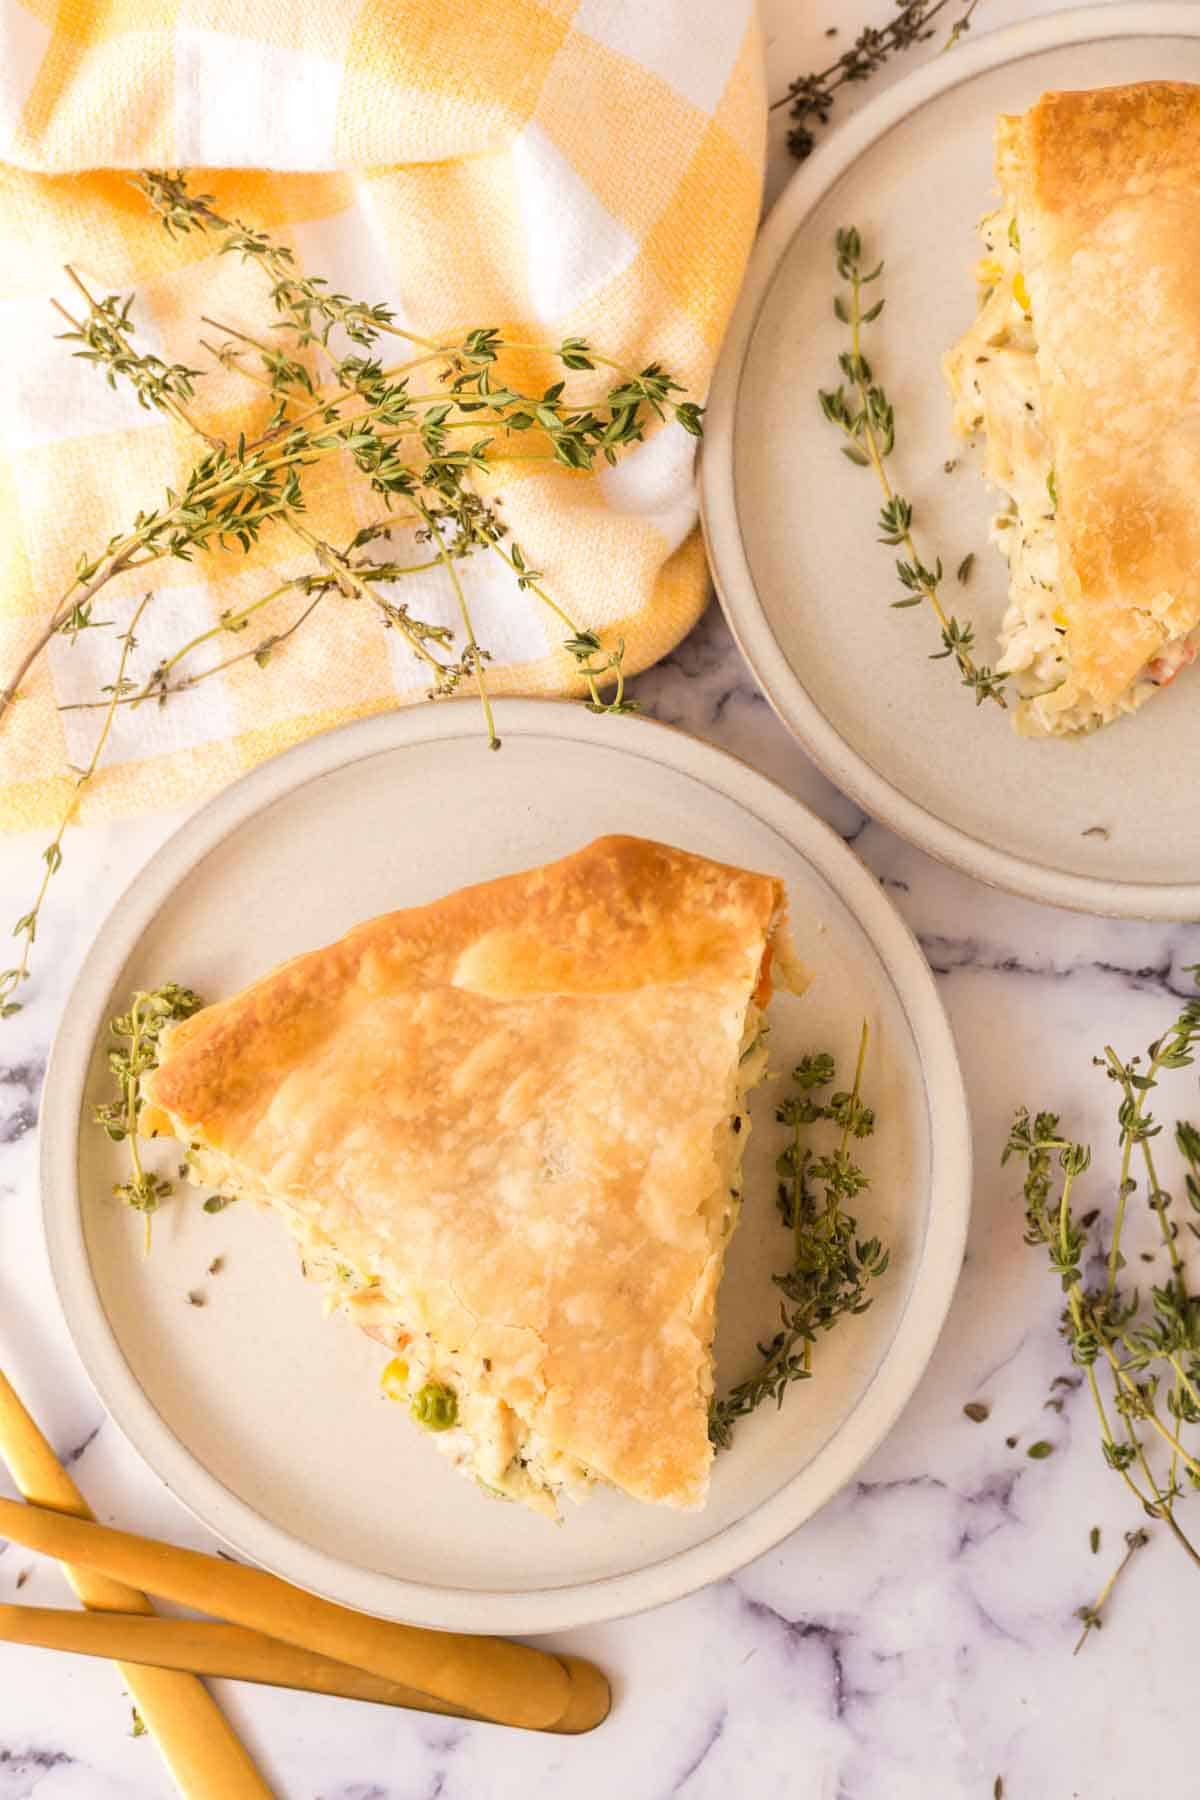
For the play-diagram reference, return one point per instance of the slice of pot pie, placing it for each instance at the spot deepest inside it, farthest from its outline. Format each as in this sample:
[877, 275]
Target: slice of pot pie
[507, 1130]
[1083, 370]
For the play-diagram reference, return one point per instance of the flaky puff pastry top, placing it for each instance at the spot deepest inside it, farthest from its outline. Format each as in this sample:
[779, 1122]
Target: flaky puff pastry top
[512, 1107]
[1105, 186]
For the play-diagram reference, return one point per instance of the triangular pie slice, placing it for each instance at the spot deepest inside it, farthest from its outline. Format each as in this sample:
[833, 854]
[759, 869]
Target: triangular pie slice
[507, 1129]
[1083, 370]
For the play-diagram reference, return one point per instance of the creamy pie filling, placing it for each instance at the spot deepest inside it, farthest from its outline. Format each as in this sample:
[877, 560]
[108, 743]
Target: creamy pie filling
[995, 387]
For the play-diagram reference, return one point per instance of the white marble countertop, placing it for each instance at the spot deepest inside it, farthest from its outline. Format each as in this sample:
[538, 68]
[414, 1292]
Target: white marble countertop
[913, 1642]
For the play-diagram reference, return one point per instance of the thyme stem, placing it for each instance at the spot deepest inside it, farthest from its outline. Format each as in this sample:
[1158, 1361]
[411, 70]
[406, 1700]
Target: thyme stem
[475, 654]
[866, 418]
[114, 564]
[1091, 1615]
[26, 927]
[811, 97]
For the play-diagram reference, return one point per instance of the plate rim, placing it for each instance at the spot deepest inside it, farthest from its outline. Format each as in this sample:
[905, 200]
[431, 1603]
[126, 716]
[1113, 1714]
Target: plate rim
[806, 189]
[246, 1530]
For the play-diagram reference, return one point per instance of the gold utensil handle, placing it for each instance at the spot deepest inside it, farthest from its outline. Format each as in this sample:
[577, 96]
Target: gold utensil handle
[197, 1742]
[210, 1647]
[204, 1647]
[511, 1684]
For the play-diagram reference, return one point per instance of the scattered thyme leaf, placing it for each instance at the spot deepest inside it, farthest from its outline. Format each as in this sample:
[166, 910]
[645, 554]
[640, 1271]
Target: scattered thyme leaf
[23, 1576]
[139, 1724]
[1041, 1450]
[216, 1265]
[859, 408]
[1094, 1539]
[963, 571]
[196, 1298]
[977, 1411]
[218, 1202]
[831, 1266]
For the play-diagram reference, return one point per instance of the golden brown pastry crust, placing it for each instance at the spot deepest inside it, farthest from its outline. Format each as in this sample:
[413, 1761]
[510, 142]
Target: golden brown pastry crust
[511, 1105]
[1106, 190]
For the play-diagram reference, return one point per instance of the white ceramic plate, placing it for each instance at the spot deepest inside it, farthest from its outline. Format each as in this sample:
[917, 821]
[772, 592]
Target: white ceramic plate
[1108, 824]
[265, 1419]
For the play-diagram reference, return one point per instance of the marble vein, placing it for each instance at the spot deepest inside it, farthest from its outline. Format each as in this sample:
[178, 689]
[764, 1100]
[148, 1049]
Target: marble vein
[79, 1450]
[712, 1738]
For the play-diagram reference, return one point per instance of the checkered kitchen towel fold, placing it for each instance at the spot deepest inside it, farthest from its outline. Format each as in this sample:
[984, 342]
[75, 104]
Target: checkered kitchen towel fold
[551, 167]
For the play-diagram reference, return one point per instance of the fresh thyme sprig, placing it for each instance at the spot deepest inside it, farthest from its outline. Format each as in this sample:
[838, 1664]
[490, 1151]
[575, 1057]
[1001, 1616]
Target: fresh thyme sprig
[831, 1267]
[1140, 1354]
[862, 412]
[106, 335]
[134, 1054]
[420, 445]
[810, 98]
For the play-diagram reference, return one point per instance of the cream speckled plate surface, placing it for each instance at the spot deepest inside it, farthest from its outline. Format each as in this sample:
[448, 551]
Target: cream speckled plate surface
[265, 1419]
[1109, 823]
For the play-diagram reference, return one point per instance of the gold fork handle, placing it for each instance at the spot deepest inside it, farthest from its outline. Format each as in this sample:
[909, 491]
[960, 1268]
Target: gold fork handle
[508, 1683]
[197, 1742]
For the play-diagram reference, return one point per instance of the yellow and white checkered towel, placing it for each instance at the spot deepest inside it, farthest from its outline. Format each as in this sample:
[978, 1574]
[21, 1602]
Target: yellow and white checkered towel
[550, 167]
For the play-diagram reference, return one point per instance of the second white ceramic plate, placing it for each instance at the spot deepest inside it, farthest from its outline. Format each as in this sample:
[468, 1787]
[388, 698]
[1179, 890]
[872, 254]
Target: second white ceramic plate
[1108, 823]
[265, 1418]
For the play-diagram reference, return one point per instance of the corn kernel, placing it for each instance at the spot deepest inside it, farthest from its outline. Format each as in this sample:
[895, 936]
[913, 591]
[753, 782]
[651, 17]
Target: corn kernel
[394, 1380]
